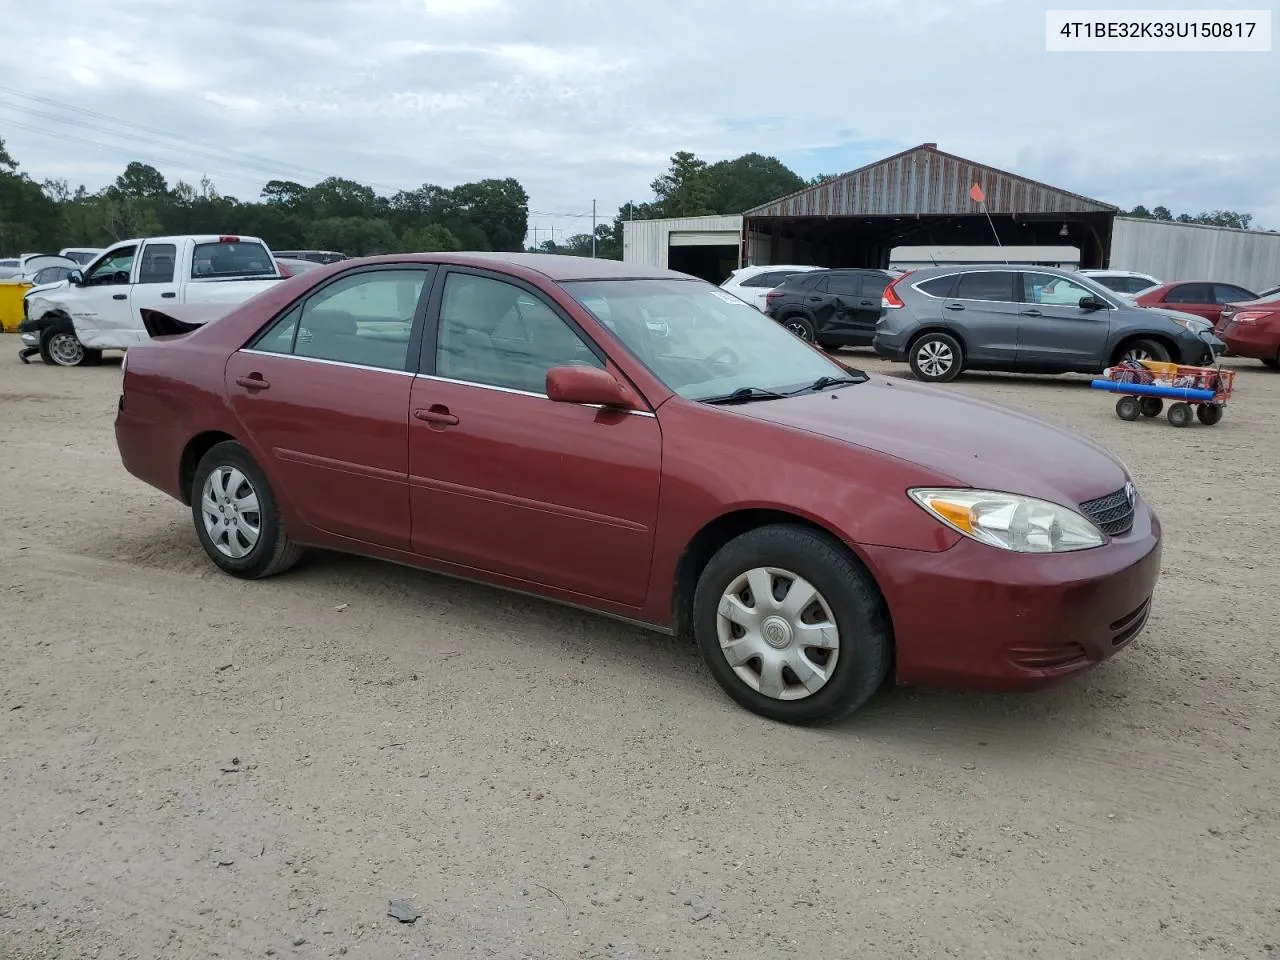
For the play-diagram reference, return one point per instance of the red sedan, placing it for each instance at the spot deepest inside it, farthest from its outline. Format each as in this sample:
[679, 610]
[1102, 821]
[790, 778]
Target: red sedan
[1253, 330]
[645, 445]
[1204, 299]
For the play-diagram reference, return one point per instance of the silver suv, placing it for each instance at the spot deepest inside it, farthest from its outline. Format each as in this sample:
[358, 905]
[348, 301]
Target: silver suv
[943, 320]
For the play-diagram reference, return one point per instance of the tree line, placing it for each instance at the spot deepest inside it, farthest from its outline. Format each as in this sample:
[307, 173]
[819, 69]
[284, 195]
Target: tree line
[334, 214]
[1216, 218]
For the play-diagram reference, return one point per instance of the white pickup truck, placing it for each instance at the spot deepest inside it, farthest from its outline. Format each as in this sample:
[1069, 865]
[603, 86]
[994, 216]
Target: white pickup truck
[71, 322]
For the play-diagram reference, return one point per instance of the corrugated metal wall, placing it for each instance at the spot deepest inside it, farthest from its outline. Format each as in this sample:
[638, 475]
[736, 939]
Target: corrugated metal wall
[649, 241]
[1184, 251]
[925, 181]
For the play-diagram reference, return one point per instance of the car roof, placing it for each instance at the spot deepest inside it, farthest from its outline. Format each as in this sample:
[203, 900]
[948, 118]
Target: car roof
[558, 267]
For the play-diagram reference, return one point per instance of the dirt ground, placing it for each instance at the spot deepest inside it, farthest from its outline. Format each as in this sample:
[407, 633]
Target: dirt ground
[199, 767]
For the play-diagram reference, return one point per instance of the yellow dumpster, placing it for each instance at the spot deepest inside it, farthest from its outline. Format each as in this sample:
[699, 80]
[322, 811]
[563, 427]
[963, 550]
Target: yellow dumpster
[11, 294]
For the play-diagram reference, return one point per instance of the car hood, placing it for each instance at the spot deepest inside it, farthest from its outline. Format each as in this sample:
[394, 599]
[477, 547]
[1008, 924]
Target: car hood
[964, 441]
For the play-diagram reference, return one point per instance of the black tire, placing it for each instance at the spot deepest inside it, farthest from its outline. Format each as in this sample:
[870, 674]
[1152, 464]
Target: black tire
[801, 326]
[1210, 414]
[1141, 349]
[273, 552]
[855, 606]
[936, 358]
[1151, 406]
[1128, 408]
[1273, 363]
[1180, 414]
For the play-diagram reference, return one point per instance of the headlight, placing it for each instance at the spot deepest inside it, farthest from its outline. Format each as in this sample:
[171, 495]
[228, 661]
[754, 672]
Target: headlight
[1010, 522]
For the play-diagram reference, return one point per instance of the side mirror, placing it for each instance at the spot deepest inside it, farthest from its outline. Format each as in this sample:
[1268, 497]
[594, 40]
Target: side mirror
[1092, 303]
[589, 386]
[75, 278]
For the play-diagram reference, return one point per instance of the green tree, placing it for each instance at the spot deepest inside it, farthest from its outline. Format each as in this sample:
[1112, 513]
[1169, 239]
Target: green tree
[356, 236]
[29, 218]
[748, 181]
[141, 181]
[429, 238]
[684, 190]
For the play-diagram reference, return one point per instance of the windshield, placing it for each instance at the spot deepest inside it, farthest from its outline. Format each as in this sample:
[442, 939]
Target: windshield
[700, 341]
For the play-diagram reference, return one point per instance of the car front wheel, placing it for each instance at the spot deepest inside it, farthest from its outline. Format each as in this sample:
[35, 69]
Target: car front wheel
[791, 626]
[236, 515]
[62, 348]
[801, 327]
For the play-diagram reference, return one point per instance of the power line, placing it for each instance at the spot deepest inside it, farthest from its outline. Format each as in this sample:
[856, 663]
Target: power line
[50, 101]
[127, 151]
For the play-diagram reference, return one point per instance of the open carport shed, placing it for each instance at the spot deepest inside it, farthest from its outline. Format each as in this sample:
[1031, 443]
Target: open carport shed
[922, 197]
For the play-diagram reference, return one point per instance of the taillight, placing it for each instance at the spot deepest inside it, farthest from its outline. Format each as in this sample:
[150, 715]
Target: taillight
[1251, 317]
[228, 239]
[771, 296]
[890, 299]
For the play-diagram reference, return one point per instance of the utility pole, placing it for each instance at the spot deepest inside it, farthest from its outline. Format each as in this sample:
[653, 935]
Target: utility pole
[535, 238]
[593, 229]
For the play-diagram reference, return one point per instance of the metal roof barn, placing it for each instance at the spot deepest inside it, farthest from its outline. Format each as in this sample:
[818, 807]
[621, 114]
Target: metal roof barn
[922, 197]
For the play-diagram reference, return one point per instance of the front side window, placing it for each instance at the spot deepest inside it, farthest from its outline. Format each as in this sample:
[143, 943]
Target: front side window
[994, 285]
[498, 334]
[699, 341]
[231, 260]
[113, 269]
[1050, 290]
[364, 319]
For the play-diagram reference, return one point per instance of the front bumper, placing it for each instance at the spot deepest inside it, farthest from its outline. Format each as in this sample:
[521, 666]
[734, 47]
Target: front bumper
[979, 618]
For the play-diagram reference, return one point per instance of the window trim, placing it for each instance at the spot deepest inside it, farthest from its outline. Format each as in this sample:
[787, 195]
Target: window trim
[426, 365]
[107, 255]
[433, 272]
[1015, 286]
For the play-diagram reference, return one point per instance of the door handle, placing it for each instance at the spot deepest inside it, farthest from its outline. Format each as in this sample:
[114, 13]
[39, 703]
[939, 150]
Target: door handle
[955, 306]
[169, 296]
[814, 299]
[437, 414]
[1032, 313]
[119, 296]
[253, 383]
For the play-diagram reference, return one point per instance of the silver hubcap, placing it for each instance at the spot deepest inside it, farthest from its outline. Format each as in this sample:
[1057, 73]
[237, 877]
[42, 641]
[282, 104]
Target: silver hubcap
[1137, 354]
[66, 349]
[777, 633]
[799, 330]
[934, 358]
[229, 506]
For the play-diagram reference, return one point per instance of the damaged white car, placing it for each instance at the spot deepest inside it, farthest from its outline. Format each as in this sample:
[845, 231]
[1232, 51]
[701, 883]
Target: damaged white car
[100, 308]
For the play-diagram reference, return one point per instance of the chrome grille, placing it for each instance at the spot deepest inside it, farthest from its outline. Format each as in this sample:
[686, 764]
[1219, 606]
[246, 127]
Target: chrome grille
[1113, 513]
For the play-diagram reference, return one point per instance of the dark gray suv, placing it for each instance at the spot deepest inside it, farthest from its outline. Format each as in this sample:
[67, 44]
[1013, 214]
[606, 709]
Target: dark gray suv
[943, 320]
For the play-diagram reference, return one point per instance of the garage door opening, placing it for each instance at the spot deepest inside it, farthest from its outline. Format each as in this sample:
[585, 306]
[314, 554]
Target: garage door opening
[711, 255]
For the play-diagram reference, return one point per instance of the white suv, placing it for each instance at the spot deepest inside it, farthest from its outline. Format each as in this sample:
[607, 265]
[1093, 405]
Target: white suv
[1125, 282]
[752, 284]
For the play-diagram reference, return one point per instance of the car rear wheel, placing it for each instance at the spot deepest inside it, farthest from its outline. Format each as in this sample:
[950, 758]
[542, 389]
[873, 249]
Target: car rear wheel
[1142, 350]
[236, 515]
[791, 626]
[936, 358]
[802, 327]
[1273, 363]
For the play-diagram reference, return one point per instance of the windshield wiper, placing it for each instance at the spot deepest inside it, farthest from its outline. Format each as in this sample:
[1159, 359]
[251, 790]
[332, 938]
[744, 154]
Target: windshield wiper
[745, 395]
[822, 383]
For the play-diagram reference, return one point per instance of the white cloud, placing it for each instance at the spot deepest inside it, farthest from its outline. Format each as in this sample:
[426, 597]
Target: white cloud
[582, 99]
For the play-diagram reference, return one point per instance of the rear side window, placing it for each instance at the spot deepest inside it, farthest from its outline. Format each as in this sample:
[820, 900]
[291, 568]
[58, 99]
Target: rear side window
[1228, 293]
[873, 285]
[803, 280]
[939, 286]
[224, 260]
[995, 285]
[761, 280]
[844, 284]
[1188, 293]
[157, 263]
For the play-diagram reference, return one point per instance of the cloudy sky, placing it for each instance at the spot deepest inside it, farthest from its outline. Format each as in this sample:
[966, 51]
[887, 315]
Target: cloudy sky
[583, 99]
